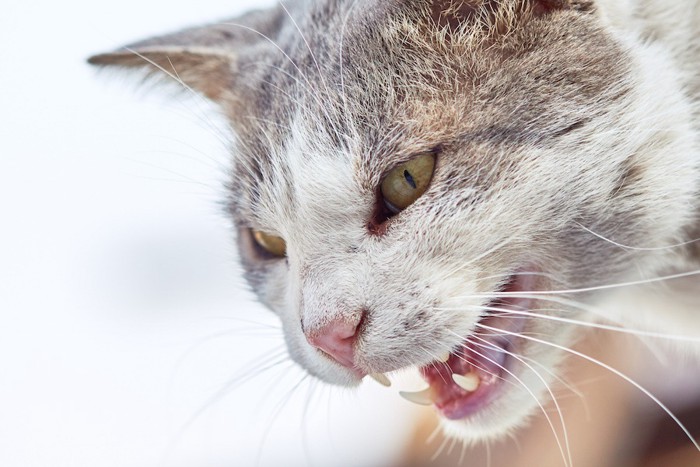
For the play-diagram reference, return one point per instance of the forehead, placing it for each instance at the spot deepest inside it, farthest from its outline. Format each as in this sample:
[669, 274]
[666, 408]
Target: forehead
[336, 109]
[381, 72]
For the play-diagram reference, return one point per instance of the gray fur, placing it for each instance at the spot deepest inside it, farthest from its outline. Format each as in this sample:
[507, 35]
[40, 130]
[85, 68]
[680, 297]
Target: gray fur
[552, 119]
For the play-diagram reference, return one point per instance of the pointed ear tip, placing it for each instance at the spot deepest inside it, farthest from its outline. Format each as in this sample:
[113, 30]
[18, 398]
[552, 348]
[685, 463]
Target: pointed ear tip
[108, 58]
[98, 59]
[102, 59]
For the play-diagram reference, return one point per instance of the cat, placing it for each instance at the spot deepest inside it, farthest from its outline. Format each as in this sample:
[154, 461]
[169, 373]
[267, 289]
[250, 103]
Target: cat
[453, 185]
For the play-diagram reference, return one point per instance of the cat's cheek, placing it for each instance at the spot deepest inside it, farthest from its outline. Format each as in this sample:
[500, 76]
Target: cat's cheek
[270, 282]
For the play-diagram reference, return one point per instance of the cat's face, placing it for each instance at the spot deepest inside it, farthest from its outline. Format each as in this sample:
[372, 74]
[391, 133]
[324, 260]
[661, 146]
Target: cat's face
[523, 127]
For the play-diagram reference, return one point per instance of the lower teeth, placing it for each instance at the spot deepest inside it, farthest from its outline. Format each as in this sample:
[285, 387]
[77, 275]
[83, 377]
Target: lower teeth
[469, 382]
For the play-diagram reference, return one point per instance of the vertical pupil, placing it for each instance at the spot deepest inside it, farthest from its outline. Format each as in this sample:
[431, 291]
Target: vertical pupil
[409, 178]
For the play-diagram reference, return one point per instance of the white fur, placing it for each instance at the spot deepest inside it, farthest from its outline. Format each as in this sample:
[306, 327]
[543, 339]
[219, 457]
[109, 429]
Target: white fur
[323, 282]
[548, 198]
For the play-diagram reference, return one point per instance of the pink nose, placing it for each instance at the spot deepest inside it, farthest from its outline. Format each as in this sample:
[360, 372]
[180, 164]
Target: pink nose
[337, 339]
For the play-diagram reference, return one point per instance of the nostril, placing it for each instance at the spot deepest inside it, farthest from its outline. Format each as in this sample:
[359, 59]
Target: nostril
[345, 331]
[337, 339]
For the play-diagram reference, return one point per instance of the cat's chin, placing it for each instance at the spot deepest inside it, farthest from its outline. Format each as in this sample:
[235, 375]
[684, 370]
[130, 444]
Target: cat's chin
[491, 426]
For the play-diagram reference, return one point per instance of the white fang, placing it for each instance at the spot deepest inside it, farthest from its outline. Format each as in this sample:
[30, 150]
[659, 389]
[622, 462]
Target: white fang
[424, 397]
[381, 379]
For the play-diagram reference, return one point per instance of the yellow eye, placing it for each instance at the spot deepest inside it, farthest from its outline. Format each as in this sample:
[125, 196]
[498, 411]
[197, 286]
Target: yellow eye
[407, 182]
[270, 243]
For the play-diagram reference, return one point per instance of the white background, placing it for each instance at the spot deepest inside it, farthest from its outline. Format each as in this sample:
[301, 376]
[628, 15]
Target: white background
[123, 314]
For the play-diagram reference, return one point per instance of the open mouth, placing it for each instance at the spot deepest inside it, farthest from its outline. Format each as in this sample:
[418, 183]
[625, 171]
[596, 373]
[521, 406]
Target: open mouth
[473, 374]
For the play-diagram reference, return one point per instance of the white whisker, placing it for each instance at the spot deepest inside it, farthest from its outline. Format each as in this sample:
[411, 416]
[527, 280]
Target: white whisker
[224, 138]
[439, 449]
[277, 409]
[628, 247]
[606, 327]
[565, 434]
[433, 435]
[613, 370]
[599, 287]
[314, 95]
[525, 386]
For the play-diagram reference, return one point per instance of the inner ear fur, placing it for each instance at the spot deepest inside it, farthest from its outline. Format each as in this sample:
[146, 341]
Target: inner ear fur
[210, 72]
[204, 58]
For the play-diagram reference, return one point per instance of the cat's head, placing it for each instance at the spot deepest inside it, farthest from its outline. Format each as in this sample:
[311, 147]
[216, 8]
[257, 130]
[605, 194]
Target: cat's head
[410, 175]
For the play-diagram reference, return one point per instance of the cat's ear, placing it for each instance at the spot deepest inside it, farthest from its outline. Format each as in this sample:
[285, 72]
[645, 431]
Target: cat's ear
[207, 59]
[210, 72]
